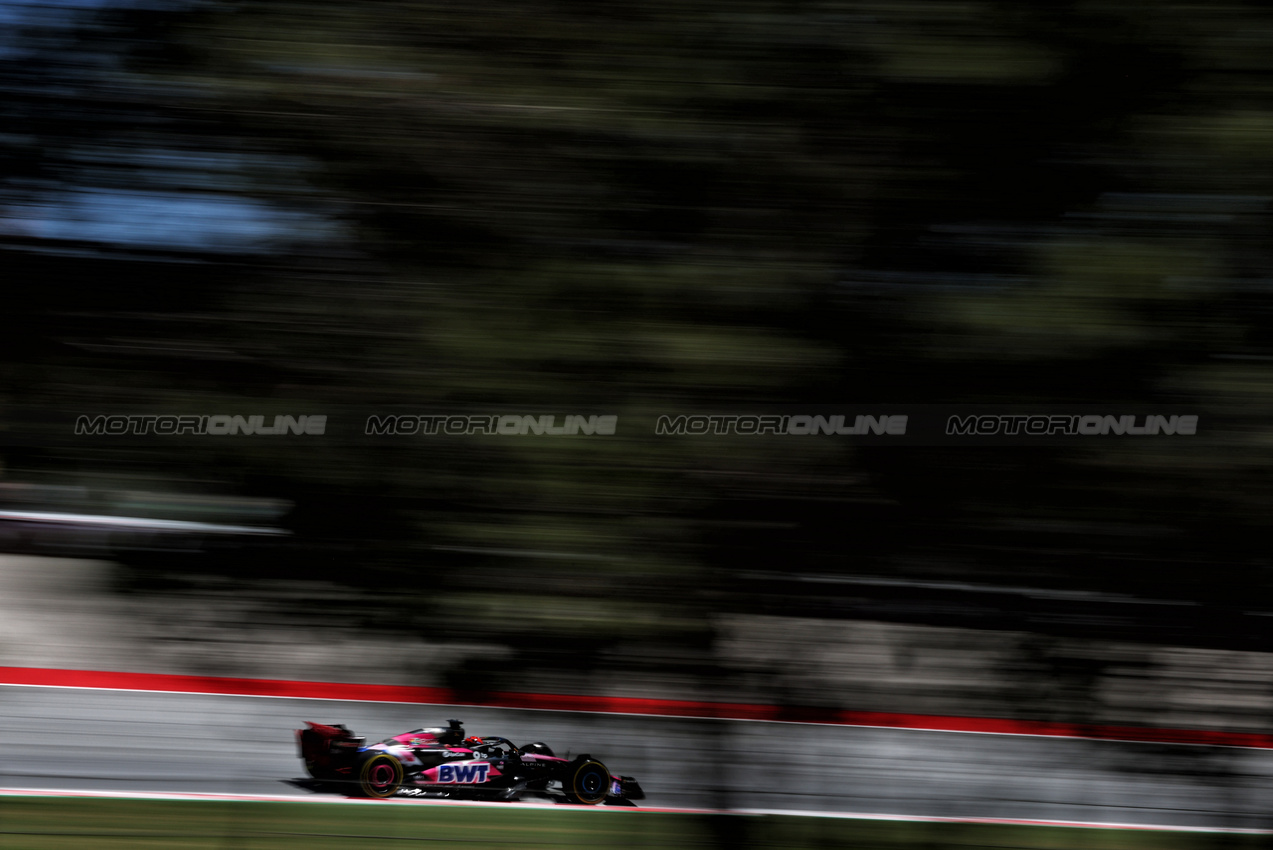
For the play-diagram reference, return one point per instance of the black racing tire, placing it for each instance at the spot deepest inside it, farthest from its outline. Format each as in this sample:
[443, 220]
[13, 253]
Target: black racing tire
[380, 776]
[586, 781]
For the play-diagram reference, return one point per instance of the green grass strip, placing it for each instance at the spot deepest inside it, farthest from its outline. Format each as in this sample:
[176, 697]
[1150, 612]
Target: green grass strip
[43, 823]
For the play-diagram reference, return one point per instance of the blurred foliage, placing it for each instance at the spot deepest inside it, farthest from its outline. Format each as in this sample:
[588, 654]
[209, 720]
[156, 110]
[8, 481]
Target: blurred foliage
[594, 206]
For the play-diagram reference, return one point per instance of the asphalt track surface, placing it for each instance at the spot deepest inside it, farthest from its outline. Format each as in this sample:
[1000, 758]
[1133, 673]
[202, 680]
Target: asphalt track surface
[122, 741]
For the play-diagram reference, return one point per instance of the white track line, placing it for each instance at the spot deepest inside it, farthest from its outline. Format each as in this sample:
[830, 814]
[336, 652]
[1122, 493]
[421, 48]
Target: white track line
[331, 800]
[1006, 821]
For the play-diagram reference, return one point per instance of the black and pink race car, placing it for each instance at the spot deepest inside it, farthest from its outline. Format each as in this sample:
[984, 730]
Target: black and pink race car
[442, 762]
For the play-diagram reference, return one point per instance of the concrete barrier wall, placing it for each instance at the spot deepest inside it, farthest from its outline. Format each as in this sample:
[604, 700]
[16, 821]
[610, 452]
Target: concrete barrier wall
[60, 612]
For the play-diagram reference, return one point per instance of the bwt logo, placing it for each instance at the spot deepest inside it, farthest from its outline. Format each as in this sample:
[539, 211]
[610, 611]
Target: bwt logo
[467, 773]
[201, 425]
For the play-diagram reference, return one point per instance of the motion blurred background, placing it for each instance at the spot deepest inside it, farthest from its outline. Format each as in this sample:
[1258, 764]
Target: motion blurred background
[265, 206]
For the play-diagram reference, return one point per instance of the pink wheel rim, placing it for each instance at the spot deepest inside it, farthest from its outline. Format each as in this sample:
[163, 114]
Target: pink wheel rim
[382, 776]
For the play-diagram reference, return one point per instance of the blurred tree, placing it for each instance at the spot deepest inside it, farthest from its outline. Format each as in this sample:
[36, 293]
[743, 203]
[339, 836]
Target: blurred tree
[581, 206]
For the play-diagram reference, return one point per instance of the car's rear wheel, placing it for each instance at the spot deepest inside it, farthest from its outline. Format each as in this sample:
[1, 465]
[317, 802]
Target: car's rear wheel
[380, 776]
[586, 781]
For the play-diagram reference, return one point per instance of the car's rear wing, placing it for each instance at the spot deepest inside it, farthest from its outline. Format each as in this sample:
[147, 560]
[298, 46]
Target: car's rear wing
[325, 746]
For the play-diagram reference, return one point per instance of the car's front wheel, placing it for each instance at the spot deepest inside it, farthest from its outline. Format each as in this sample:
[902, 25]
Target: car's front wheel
[586, 781]
[380, 776]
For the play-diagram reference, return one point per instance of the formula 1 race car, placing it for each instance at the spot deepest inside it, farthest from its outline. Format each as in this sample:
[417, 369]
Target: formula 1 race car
[442, 762]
